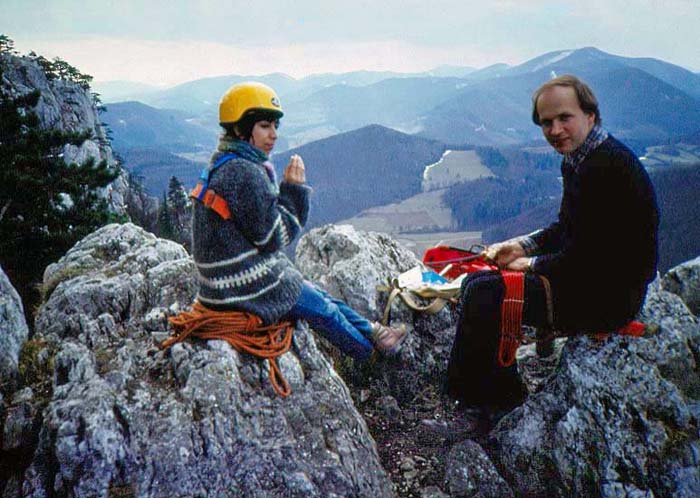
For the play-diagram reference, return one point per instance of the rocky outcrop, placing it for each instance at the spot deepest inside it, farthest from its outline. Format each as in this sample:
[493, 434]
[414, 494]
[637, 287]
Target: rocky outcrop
[350, 265]
[101, 411]
[684, 280]
[66, 106]
[13, 333]
[619, 417]
[122, 418]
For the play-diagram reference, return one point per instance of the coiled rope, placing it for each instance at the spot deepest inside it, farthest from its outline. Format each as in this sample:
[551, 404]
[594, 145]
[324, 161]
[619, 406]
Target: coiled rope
[243, 331]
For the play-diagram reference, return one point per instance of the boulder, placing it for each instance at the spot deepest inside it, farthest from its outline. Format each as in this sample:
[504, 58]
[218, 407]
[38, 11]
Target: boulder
[350, 265]
[684, 280]
[13, 333]
[470, 472]
[124, 418]
[618, 417]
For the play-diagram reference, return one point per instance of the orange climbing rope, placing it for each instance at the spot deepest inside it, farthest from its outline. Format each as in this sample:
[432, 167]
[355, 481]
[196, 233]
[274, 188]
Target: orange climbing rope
[511, 317]
[243, 331]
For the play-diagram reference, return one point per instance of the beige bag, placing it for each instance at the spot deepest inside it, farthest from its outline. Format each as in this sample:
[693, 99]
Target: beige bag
[425, 283]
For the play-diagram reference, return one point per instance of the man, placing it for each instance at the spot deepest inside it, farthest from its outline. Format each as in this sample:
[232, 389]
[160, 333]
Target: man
[587, 272]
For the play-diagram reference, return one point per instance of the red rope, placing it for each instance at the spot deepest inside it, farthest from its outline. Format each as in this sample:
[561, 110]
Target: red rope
[511, 317]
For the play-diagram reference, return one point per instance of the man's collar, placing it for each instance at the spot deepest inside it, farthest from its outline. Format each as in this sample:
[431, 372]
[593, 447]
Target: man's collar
[595, 137]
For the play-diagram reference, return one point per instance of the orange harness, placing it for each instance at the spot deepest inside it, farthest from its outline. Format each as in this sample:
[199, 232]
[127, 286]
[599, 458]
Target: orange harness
[211, 200]
[207, 196]
[243, 331]
[512, 319]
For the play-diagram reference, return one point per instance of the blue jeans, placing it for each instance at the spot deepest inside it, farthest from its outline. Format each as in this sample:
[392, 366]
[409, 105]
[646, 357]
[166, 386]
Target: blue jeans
[335, 320]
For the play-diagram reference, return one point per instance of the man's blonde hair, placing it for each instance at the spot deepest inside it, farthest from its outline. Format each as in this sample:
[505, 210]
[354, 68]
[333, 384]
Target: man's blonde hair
[584, 94]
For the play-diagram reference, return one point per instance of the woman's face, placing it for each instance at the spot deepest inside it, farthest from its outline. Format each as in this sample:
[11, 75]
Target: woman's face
[264, 135]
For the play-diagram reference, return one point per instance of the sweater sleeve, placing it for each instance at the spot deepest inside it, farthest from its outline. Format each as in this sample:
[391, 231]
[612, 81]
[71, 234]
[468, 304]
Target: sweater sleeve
[268, 219]
[555, 248]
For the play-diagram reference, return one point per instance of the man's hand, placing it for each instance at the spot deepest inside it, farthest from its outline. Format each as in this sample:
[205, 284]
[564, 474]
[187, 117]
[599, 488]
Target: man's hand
[520, 264]
[505, 253]
[295, 172]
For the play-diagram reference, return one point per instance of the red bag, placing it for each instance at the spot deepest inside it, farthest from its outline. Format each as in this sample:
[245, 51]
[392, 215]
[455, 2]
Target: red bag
[462, 260]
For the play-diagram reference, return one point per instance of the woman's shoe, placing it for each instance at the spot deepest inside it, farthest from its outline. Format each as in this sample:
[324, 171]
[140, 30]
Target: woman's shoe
[388, 339]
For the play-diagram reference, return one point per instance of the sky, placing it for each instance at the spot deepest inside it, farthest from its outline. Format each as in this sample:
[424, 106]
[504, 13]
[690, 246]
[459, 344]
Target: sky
[165, 43]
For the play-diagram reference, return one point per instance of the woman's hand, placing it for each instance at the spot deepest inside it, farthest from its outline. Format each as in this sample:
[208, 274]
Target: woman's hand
[295, 172]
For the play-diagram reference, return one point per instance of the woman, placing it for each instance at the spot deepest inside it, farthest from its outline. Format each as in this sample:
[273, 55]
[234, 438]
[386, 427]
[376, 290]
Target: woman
[244, 220]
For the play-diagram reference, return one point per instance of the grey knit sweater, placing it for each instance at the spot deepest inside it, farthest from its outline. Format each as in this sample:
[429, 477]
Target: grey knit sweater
[240, 263]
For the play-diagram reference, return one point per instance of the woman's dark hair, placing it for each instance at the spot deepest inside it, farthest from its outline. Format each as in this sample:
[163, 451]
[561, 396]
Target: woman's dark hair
[584, 94]
[243, 128]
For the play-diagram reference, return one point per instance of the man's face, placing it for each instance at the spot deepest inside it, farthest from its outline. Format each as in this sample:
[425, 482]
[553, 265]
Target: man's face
[563, 122]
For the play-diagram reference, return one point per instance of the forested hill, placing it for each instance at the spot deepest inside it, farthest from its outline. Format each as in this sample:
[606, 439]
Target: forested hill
[368, 167]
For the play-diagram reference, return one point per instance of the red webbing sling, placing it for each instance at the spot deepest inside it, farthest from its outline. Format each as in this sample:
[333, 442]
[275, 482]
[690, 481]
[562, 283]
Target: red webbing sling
[511, 317]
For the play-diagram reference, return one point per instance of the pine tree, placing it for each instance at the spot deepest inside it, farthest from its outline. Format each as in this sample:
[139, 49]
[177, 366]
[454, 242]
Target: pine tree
[179, 208]
[165, 227]
[7, 45]
[46, 205]
[139, 205]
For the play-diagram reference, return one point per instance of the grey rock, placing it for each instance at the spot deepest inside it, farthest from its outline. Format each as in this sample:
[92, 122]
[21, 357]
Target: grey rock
[199, 419]
[13, 333]
[20, 420]
[433, 492]
[350, 264]
[616, 416]
[684, 280]
[389, 406]
[66, 106]
[115, 273]
[470, 472]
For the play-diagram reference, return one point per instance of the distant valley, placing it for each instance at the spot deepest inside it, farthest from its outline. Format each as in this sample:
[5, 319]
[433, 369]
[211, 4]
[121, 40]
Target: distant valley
[367, 138]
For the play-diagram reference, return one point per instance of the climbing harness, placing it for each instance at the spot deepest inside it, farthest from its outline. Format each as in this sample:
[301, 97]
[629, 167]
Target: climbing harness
[207, 196]
[243, 331]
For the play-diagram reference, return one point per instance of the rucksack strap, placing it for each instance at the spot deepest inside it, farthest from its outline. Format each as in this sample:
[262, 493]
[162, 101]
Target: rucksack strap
[212, 200]
[206, 172]
[207, 196]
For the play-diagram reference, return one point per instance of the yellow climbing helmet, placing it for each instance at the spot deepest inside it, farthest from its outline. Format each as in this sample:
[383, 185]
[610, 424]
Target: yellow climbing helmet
[247, 96]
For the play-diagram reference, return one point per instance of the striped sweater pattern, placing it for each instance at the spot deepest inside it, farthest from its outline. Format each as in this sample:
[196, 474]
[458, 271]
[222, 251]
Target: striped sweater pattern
[240, 262]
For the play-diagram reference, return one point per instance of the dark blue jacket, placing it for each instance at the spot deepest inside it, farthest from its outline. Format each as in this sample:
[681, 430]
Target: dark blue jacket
[601, 253]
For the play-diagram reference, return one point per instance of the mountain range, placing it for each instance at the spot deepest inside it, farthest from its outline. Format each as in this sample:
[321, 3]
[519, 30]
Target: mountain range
[642, 98]
[356, 170]
[644, 101]
[366, 137]
[137, 125]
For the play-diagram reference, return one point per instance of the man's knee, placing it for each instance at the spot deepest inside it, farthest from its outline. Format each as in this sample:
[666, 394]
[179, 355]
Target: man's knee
[482, 292]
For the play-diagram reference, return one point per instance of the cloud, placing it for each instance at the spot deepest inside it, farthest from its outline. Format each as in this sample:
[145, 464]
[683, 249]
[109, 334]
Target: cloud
[171, 41]
[169, 63]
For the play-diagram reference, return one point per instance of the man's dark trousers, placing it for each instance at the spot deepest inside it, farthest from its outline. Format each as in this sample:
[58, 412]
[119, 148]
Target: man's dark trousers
[474, 376]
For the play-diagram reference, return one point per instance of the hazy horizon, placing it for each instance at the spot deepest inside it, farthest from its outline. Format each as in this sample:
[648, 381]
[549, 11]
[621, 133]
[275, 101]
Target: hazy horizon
[168, 43]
